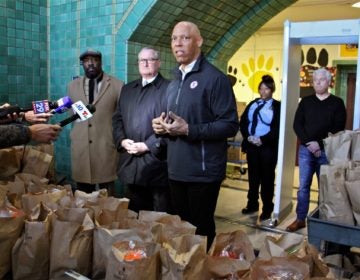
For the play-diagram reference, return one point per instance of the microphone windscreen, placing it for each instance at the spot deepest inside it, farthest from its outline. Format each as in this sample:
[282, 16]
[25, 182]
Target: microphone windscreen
[62, 105]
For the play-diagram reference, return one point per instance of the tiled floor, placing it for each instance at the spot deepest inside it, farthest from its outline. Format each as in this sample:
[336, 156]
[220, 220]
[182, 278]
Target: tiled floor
[232, 199]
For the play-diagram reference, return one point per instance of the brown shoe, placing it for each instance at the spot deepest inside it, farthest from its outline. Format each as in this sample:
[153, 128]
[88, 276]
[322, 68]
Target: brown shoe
[296, 225]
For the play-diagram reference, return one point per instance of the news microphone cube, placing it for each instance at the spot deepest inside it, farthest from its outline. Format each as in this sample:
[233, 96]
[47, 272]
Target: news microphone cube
[41, 106]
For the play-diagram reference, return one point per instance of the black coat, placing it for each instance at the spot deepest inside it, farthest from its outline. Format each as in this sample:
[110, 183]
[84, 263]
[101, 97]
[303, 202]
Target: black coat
[269, 139]
[136, 108]
[206, 101]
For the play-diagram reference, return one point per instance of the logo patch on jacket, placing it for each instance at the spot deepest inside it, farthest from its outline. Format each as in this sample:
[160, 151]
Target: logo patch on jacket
[194, 84]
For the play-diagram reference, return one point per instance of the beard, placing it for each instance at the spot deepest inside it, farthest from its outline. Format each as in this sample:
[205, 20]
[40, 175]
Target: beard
[92, 72]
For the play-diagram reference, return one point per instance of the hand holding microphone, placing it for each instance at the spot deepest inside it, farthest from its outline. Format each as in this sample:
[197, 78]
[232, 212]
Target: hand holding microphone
[31, 117]
[40, 111]
[44, 133]
[7, 118]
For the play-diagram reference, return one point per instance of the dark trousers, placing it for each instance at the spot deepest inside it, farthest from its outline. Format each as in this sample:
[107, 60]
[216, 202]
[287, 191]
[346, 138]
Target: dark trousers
[151, 198]
[261, 172]
[89, 188]
[196, 203]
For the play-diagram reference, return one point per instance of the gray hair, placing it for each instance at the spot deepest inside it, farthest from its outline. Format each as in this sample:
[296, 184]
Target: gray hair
[156, 52]
[323, 71]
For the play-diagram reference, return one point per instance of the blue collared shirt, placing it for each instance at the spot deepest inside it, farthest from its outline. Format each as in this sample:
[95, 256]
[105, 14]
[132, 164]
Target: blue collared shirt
[264, 118]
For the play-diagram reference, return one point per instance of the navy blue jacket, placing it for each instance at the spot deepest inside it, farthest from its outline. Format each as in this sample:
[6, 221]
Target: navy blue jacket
[206, 101]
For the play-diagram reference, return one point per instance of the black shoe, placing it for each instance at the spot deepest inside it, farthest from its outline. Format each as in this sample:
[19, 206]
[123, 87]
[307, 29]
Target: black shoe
[249, 210]
[265, 216]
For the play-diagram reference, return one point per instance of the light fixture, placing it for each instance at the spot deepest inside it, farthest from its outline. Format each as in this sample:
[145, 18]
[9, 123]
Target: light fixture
[356, 5]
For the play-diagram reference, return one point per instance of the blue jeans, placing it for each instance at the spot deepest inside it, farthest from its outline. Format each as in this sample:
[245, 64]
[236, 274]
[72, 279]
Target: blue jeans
[308, 165]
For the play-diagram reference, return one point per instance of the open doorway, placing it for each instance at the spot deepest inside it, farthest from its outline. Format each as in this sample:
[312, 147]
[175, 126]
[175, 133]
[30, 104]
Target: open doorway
[350, 97]
[345, 88]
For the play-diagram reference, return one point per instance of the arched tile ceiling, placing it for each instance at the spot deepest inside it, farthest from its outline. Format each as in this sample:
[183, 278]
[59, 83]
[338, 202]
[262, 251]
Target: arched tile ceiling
[225, 25]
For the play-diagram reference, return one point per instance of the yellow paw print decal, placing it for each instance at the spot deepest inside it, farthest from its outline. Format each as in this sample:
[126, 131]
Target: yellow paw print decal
[255, 72]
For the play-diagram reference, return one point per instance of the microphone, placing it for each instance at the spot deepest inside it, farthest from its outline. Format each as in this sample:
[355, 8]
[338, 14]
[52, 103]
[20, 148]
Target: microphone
[43, 106]
[61, 106]
[76, 116]
[58, 107]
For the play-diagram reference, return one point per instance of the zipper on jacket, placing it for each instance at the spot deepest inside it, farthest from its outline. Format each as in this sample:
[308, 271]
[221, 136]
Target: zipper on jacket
[178, 92]
[203, 156]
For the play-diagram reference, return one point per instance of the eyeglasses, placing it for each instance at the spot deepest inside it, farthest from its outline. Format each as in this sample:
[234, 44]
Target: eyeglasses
[182, 38]
[147, 60]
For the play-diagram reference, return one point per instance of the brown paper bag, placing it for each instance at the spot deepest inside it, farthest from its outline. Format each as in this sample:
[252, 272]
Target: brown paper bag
[352, 171]
[334, 201]
[113, 225]
[353, 188]
[311, 256]
[337, 147]
[36, 162]
[225, 268]
[104, 237]
[10, 162]
[352, 184]
[280, 245]
[235, 244]
[50, 199]
[33, 183]
[31, 253]
[183, 258]
[148, 231]
[170, 231]
[147, 268]
[155, 216]
[71, 242]
[279, 268]
[109, 205]
[81, 198]
[11, 226]
[14, 191]
[172, 225]
[47, 149]
[355, 146]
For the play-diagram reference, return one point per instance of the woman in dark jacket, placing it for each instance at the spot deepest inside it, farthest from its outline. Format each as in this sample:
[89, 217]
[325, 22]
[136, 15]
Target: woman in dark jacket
[259, 126]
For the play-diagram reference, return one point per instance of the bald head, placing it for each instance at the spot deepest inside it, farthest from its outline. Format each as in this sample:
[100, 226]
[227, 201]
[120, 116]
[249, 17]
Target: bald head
[186, 42]
[192, 27]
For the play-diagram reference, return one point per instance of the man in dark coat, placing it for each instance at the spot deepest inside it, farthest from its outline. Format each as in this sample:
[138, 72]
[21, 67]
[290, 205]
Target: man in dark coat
[142, 163]
[201, 115]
